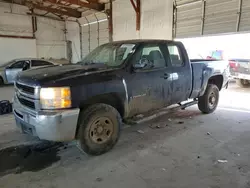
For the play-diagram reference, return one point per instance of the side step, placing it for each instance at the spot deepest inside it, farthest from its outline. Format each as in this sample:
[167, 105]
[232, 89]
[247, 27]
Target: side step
[163, 111]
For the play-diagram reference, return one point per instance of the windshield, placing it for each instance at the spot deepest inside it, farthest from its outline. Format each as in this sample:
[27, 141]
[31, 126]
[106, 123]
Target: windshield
[112, 55]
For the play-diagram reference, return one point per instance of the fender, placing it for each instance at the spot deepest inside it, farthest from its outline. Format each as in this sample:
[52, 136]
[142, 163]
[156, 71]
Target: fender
[208, 73]
[112, 92]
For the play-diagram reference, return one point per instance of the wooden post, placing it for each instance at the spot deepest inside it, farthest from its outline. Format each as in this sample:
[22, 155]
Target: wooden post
[137, 8]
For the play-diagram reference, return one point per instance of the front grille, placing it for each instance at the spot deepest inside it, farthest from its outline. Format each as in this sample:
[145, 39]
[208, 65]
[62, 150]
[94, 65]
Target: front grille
[27, 103]
[26, 89]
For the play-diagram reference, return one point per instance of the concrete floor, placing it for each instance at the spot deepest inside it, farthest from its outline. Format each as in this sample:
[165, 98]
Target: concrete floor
[181, 150]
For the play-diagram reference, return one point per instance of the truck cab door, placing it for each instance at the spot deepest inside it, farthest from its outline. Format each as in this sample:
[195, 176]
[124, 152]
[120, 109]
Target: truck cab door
[149, 81]
[181, 73]
[13, 70]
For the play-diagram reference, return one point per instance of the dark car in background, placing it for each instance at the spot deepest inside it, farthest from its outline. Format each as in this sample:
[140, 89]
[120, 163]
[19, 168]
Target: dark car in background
[240, 70]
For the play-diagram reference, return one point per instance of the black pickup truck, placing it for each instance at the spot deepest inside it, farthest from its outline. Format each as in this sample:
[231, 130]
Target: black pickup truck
[88, 101]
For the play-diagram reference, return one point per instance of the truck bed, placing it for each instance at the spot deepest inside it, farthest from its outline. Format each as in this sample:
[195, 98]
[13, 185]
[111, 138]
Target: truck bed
[218, 67]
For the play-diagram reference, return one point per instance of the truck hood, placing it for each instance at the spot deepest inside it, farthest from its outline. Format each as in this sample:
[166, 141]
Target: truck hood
[57, 73]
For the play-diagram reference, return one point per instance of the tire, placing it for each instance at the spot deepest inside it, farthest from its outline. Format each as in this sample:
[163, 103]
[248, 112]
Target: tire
[243, 83]
[209, 101]
[99, 129]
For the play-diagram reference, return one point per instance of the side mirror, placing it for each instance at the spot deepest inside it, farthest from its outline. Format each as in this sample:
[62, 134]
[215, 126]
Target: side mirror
[25, 67]
[141, 64]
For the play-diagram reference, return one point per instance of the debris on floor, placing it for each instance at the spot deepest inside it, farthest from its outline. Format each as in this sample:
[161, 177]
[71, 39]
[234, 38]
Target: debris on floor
[208, 133]
[140, 116]
[158, 126]
[99, 179]
[140, 131]
[180, 122]
[140, 146]
[222, 161]
[5, 107]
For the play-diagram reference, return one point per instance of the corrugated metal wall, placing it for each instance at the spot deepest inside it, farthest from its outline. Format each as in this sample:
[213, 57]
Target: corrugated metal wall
[95, 32]
[210, 17]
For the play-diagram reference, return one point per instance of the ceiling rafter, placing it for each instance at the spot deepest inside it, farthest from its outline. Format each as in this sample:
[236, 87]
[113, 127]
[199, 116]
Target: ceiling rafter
[68, 12]
[61, 7]
[91, 5]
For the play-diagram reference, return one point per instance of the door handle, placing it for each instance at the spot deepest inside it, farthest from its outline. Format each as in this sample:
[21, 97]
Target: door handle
[165, 76]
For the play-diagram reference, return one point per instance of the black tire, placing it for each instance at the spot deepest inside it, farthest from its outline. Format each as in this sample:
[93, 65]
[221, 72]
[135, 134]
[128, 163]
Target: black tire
[243, 83]
[1, 81]
[88, 135]
[209, 101]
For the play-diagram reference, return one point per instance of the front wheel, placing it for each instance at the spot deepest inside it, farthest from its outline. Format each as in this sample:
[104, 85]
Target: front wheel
[243, 83]
[99, 129]
[209, 101]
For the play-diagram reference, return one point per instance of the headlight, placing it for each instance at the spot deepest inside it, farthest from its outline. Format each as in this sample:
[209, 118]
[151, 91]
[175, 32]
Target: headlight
[55, 98]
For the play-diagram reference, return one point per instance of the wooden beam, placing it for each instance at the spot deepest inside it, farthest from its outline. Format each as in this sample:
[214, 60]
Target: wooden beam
[137, 8]
[70, 13]
[91, 5]
[110, 20]
[16, 36]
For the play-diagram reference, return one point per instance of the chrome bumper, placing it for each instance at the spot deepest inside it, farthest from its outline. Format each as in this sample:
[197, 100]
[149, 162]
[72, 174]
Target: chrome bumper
[47, 125]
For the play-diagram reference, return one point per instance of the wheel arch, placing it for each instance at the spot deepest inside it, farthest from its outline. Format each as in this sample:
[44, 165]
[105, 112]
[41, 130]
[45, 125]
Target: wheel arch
[216, 80]
[113, 99]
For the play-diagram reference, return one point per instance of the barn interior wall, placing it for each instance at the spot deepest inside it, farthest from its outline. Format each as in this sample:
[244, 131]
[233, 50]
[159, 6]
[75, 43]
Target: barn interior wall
[49, 41]
[50, 37]
[73, 35]
[156, 20]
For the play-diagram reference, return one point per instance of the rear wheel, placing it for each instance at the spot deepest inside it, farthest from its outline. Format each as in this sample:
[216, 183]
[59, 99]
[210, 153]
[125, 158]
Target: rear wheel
[209, 101]
[243, 83]
[99, 130]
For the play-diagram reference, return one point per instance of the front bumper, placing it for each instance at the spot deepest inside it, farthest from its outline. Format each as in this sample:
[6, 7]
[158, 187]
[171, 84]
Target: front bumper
[57, 125]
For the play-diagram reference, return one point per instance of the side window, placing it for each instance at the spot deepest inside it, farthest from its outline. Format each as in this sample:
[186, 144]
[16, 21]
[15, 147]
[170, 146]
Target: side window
[175, 56]
[151, 57]
[45, 63]
[37, 63]
[17, 65]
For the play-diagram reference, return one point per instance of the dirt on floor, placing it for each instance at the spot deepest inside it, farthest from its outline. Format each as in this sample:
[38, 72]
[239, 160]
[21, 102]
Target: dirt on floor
[186, 149]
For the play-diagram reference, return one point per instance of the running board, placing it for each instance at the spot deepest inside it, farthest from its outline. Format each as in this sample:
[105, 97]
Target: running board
[162, 111]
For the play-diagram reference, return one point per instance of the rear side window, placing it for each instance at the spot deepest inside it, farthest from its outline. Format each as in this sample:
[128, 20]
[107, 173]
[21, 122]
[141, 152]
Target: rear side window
[175, 56]
[37, 63]
[151, 55]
